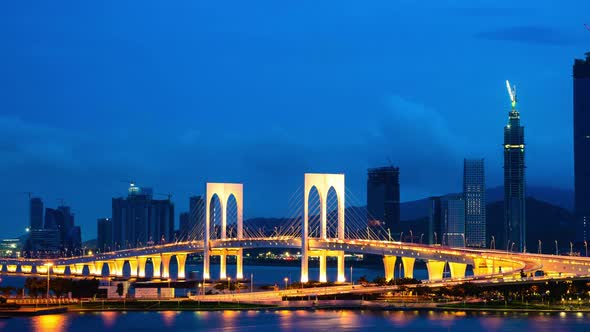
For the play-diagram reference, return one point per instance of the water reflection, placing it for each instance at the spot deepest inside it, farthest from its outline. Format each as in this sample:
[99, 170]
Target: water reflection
[54, 323]
[314, 320]
[108, 318]
[168, 318]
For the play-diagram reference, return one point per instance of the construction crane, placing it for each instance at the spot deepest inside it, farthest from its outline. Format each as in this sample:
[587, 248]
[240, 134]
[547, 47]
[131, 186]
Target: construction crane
[512, 93]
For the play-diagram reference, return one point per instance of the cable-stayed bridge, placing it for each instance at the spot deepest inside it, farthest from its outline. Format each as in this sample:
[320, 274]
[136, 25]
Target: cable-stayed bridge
[319, 226]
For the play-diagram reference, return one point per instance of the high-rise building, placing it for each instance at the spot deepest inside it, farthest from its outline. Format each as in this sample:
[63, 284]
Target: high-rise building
[104, 234]
[582, 145]
[192, 223]
[434, 220]
[383, 197]
[196, 218]
[44, 243]
[446, 220]
[62, 220]
[36, 213]
[514, 180]
[474, 193]
[453, 221]
[140, 220]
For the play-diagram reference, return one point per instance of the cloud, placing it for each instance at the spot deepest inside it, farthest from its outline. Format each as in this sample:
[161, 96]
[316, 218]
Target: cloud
[420, 141]
[537, 35]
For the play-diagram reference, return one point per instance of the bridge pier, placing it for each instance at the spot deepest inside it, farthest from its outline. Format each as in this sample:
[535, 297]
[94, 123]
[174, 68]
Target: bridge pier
[141, 261]
[435, 269]
[133, 267]
[483, 266]
[181, 259]
[156, 262]
[239, 264]
[96, 269]
[323, 277]
[39, 269]
[91, 270]
[114, 269]
[119, 263]
[165, 273]
[77, 269]
[59, 269]
[457, 270]
[206, 259]
[222, 268]
[389, 265]
[341, 277]
[408, 263]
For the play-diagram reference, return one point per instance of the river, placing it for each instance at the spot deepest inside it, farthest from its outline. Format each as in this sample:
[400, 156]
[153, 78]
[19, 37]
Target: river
[298, 320]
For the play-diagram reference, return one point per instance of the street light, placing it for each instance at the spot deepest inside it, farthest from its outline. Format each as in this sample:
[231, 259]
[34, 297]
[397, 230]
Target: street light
[540, 247]
[286, 282]
[389, 234]
[493, 243]
[435, 239]
[401, 237]
[228, 285]
[411, 236]
[351, 280]
[556, 249]
[571, 248]
[48, 266]
[586, 246]
[421, 236]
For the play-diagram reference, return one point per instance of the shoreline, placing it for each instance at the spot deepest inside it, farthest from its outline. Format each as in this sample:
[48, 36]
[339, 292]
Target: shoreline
[301, 305]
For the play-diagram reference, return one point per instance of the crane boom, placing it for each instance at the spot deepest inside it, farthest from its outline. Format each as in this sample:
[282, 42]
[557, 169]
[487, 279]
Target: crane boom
[509, 91]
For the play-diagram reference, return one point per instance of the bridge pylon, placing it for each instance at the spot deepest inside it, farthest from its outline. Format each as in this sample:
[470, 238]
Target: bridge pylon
[223, 191]
[323, 183]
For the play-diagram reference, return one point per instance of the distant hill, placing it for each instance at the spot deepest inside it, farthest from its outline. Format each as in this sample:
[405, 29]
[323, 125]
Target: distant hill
[545, 222]
[563, 198]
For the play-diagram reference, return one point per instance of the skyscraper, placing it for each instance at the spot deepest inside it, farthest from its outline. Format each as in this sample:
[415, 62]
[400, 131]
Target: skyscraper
[446, 220]
[140, 220]
[383, 197]
[514, 180]
[36, 213]
[104, 234]
[434, 220]
[582, 145]
[474, 193]
[453, 220]
[196, 218]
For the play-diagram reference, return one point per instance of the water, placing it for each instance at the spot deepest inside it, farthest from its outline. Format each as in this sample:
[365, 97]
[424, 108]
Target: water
[298, 320]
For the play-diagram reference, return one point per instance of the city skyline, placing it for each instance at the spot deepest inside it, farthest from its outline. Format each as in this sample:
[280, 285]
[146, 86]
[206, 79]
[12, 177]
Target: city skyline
[89, 139]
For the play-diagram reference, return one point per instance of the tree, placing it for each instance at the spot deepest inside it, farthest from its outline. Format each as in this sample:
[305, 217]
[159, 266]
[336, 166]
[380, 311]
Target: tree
[120, 289]
[6, 290]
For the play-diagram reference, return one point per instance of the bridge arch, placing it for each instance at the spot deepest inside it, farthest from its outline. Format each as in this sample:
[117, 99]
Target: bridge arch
[223, 191]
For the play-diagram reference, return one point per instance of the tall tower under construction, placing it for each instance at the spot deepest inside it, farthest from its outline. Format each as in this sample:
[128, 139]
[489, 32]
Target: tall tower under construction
[514, 179]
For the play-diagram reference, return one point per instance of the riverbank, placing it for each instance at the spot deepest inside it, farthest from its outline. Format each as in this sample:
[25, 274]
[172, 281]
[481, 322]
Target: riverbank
[187, 305]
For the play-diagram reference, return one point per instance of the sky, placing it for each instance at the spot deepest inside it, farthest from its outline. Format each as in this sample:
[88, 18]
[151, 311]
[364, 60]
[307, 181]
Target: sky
[176, 94]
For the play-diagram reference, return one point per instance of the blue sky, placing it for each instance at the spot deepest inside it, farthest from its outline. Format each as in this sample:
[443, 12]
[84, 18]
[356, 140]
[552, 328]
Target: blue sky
[174, 94]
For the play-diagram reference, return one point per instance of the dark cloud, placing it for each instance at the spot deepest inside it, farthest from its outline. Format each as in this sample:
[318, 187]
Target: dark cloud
[540, 35]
